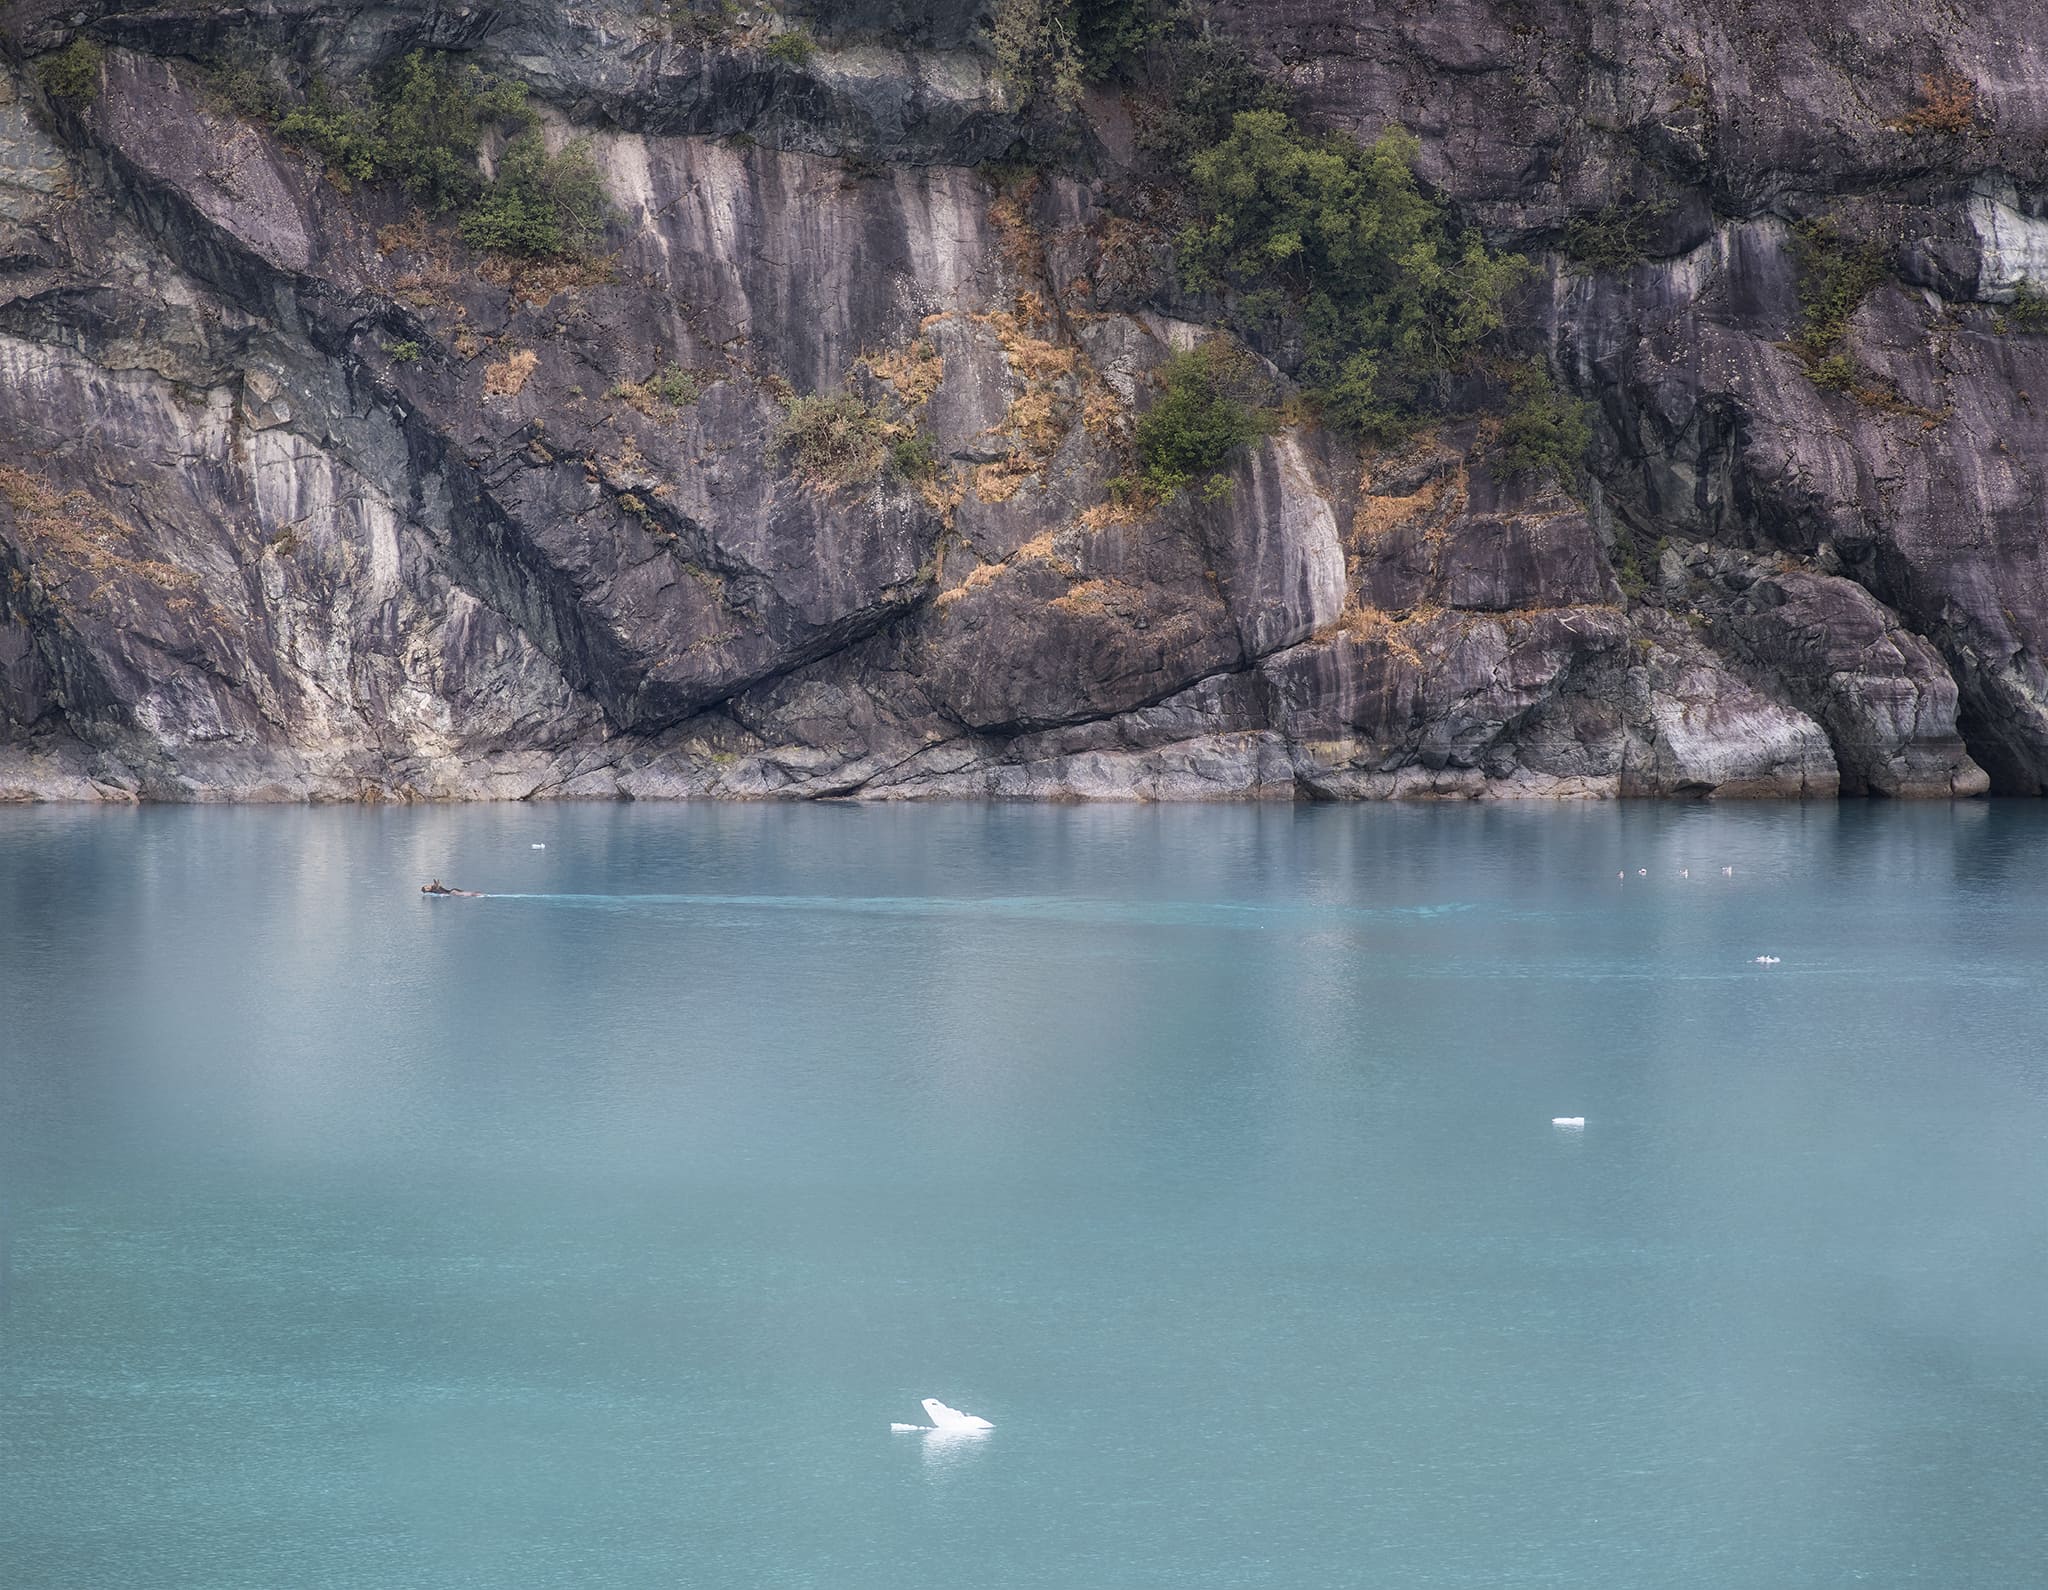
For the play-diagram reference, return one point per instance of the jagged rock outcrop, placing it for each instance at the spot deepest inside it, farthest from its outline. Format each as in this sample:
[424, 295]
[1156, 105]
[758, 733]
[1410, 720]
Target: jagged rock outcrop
[302, 498]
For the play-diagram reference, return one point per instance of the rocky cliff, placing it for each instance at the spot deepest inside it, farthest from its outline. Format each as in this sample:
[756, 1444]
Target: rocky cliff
[302, 497]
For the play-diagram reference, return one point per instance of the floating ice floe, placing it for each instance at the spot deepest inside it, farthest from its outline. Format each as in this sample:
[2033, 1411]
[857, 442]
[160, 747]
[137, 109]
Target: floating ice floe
[1766, 960]
[1567, 1120]
[540, 847]
[943, 1418]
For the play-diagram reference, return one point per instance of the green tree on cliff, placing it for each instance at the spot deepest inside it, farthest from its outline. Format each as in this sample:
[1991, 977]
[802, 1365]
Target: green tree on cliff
[1337, 241]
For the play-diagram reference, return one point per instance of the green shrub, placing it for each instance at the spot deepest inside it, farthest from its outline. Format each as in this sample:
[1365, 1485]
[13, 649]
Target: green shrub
[340, 129]
[702, 21]
[247, 88]
[1835, 372]
[436, 113]
[1198, 422]
[424, 128]
[1109, 34]
[2028, 311]
[540, 205]
[1050, 49]
[1211, 81]
[1614, 238]
[73, 72]
[1835, 275]
[1035, 54]
[834, 441]
[1635, 557]
[670, 384]
[675, 386]
[1339, 244]
[913, 456]
[1544, 431]
[793, 47]
[405, 352]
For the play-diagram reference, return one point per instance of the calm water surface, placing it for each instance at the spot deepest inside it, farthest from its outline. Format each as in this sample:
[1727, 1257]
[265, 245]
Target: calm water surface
[592, 1234]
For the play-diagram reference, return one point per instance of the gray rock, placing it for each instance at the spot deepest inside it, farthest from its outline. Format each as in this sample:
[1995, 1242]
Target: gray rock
[254, 546]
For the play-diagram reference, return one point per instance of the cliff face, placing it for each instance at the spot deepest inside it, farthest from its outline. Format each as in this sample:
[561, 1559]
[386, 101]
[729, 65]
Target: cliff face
[302, 498]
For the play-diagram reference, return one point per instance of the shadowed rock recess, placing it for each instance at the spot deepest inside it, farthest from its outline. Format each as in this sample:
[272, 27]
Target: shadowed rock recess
[303, 498]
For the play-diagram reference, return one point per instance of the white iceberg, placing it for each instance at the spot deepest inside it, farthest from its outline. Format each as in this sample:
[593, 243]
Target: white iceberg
[1567, 1120]
[943, 1418]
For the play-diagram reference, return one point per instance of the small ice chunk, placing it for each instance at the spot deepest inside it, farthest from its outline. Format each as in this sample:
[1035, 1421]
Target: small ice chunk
[540, 847]
[1567, 1120]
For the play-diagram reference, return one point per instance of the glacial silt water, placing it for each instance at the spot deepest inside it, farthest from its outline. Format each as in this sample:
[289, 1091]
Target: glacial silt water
[595, 1232]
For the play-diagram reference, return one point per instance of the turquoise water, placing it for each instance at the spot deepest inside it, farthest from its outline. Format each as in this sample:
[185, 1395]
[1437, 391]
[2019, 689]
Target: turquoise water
[593, 1233]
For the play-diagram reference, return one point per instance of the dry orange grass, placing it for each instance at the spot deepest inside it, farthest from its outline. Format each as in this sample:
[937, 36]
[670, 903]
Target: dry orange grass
[78, 536]
[635, 396]
[1017, 240]
[538, 282]
[1396, 632]
[1948, 104]
[1102, 411]
[1040, 415]
[508, 379]
[944, 493]
[1042, 548]
[915, 372]
[1097, 599]
[979, 578]
[1434, 507]
[1117, 511]
[1002, 480]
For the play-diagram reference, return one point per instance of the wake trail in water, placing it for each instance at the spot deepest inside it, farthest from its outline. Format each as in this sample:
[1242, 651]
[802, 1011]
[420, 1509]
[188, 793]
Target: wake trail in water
[1235, 916]
[1021, 907]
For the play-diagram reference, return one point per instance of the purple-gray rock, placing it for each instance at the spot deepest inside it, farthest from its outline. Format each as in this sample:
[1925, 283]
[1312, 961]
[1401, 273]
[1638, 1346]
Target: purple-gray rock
[300, 498]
